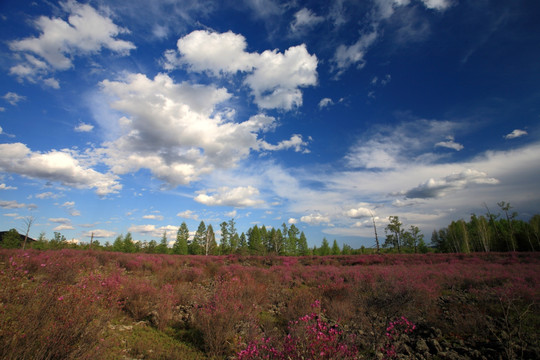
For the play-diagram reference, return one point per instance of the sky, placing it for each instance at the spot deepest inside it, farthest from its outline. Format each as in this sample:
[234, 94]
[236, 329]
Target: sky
[137, 116]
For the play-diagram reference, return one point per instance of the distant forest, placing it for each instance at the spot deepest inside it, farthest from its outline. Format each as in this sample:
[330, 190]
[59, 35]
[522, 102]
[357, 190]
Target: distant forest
[481, 233]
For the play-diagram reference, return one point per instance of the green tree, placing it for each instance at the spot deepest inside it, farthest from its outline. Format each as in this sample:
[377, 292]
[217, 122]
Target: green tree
[129, 245]
[234, 239]
[254, 241]
[394, 233]
[303, 248]
[243, 247]
[346, 249]
[152, 247]
[292, 240]
[11, 239]
[224, 243]
[163, 247]
[335, 248]
[180, 246]
[197, 243]
[325, 248]
[210, 244]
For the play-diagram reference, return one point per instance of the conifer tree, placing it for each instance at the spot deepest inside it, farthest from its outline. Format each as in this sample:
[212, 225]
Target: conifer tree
[180, 246]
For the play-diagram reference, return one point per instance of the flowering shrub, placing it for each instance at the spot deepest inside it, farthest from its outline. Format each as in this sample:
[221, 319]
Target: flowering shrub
[394, 333]
[309, 337]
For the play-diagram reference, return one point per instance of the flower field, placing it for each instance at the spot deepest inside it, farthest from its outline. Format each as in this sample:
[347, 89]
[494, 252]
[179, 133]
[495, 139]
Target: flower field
[74, 304]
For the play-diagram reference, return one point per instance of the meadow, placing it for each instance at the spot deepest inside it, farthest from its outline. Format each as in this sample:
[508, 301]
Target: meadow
[76, 304]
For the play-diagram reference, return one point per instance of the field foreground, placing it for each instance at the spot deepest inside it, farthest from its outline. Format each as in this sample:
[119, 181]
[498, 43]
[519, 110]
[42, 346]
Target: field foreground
[72, 304]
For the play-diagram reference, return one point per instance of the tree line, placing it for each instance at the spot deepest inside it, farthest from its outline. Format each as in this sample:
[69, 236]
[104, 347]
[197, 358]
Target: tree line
[490, 232]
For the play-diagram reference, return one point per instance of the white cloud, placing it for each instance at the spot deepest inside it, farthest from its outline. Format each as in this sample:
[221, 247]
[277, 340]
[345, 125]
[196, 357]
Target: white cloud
[13, 98]
[154, 231]
[7, 187]
[437, 4]
[231, 214]
[82, 127]
[52, 82]
[450, 144]
[433, 188]
[295, 142]
[178, 131]
[392, 146]
[242, 196]
[153, 217]
[346, 56]
[292, 221]
[325, 102]
[515, 134]
[188, 214]
[60, 220]
[85, 32]
[99, 233]
[359, 213]
[14, 204]
[305, 19]
[273, 77]
[69, 204]
[55, 165]
[48, 195]
[63, 227]
[315, 219]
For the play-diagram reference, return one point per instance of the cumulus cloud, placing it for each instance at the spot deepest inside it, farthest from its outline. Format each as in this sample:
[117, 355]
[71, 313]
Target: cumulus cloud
[178, 132]
[152, 230]
[305, 19]
[437, 4]
[188, 214]
[292, 221]
[435, 188]
[48, 195]
[13, 98]
[55, 165]
[153, 217]
[82, 127]
[7, 187]
[274, 78]
[14, 204]
[85, 32]
[450, 144]
[99, 233]
[315, 219]
[242, 196]
[515, 134]
[359, 213]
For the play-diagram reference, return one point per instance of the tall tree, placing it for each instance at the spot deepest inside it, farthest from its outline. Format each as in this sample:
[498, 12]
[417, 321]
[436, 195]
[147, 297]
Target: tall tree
[335, 248]
[197, 243]
[303, 248]
[234, 239]
[128, 244]
[163, 247]
[325, 248]
[180, 246]
[510, 223]
[210, 244]
[255, 242]
[224, 244]
[394, 233]
[292, 240]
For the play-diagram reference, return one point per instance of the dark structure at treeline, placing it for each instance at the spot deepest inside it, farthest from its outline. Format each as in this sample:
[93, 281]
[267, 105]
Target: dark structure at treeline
[499, 233]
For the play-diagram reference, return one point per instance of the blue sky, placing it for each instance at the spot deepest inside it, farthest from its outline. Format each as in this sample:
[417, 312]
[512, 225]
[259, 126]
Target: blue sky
[136, 116]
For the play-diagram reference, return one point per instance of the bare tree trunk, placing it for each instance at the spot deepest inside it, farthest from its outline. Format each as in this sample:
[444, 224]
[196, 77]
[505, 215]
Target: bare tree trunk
[376, 237]
[28, 222]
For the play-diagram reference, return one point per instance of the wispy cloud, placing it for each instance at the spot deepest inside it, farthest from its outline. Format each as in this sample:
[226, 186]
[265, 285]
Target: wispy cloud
[515, 134]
